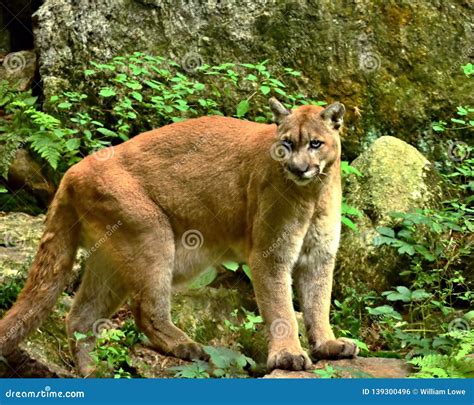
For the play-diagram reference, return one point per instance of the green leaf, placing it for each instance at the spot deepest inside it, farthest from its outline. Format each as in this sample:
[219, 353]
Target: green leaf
[107, 92]
[349, 223]
[232, 266]
[346, 168]
[137, 96]
[425, 253]
[384, 310]
[64, 105]
[265, 90]
[406, 248]
[420, 295]
[398, 297]
[107, 132]
[242, 108]
[79, 336]
[134, 85]
[386, 231]
[405, 234]
[468, 69]
[73, 144]
[280, 91]
[403, 290]
[277, 83]
[199, 86]
[439, 126]
[204, 279]
[246, 270]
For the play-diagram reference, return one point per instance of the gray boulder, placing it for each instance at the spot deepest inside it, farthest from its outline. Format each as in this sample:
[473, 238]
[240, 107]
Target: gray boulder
[395, 178]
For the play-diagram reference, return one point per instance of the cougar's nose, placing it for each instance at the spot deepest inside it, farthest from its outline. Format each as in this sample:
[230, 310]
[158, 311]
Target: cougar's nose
[298, 169]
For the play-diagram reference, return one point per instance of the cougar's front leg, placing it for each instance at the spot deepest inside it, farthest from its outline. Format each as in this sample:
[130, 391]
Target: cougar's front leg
[313, 277]
[273, 256]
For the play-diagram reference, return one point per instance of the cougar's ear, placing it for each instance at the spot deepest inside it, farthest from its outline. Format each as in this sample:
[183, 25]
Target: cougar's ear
[278, 110]
[333, 114]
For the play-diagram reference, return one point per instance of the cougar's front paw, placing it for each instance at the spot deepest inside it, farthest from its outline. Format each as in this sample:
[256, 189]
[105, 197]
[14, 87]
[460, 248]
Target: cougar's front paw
[190, 351]
[286, 360]
[341, 348]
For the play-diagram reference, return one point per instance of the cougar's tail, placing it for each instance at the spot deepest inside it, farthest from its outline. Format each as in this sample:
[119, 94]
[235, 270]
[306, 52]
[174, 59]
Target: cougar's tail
[48, 274]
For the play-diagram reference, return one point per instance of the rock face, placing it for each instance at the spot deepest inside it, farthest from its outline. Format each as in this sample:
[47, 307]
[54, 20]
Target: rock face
[396, 65]
[395, 178]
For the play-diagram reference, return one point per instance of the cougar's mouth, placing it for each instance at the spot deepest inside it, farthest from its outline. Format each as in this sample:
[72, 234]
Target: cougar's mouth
[305, 178]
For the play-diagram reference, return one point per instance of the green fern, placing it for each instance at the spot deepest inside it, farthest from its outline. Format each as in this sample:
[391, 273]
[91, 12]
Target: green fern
[457, 364]
[48, 146]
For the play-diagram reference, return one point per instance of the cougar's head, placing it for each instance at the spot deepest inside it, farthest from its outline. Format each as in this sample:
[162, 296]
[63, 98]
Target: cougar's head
[308, 141]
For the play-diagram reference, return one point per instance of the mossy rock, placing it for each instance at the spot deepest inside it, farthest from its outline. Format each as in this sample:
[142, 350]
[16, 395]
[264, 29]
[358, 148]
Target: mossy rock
[361, 53]
[395, 178]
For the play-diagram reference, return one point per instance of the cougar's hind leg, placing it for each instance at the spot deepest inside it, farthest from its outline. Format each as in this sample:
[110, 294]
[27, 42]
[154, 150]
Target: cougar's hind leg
[99, 296]
[152, 295]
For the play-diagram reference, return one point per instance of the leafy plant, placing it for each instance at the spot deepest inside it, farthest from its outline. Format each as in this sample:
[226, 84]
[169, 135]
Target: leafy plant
[348, 211]
[197, 369]
[111, 352]
[458, 363]
[224, 363]
[326, 372]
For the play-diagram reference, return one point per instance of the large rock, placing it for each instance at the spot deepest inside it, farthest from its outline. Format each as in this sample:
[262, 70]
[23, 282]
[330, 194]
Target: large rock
[396, 66]
[26, 173]
[361, 367]
[395, 178]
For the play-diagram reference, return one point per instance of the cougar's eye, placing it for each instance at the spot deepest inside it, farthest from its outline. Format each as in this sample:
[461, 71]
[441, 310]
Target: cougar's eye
[287, 144]
[315, 144]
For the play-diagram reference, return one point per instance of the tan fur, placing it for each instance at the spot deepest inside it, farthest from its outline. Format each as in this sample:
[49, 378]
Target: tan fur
[215, 179]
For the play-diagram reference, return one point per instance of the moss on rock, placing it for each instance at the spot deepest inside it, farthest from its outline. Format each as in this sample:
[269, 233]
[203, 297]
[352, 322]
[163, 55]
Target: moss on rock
[396, 178]
[396, 65]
